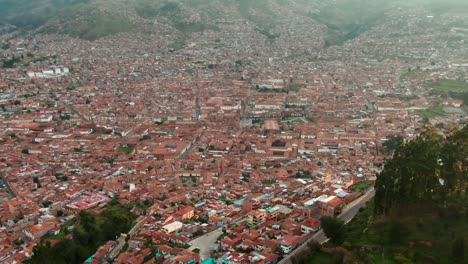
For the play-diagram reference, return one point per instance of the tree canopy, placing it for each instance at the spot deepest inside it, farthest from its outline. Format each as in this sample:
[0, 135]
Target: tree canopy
[334, 229]
[428, 169]
[92, 232]
[393, 142]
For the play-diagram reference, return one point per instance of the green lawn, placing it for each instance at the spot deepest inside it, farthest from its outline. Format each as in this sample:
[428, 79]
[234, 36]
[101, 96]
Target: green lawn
[297, 121]
[59, 236]
[361, 186]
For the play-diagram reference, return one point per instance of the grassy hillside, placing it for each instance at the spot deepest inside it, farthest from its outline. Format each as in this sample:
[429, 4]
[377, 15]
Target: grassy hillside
[32, 14]
[347, 19]
[446, 6]
[422, 236]
[420, 210]
[449, 88]
[92, 25]
[91, 19]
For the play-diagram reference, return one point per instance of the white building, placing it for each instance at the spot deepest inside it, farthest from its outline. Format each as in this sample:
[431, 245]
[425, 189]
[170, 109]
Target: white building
[172, 227]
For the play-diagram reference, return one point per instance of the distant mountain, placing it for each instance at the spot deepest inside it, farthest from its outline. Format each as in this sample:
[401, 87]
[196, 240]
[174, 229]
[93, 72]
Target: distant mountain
[31, 14]
[92, 19]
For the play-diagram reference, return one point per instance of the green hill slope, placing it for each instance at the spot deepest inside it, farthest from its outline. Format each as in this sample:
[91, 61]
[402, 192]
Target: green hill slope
[342, 20]
[91, 19]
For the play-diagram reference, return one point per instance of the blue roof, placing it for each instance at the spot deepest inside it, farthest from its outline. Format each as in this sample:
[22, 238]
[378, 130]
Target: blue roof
[239, 202]
[272, 209]
[90, 258]
[200, 204]
[209, 261]
[342, 194]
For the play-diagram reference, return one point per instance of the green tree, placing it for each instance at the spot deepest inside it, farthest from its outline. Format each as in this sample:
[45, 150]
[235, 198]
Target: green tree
[428, 171]
[410, 177]
[334, 229]
[393, 142]
[458, 249]
[92, 232]
[453, 162]
[397, 232]
[46, 204]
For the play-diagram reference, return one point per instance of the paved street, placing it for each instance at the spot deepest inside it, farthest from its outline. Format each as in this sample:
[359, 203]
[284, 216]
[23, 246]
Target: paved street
[120, 243]
[205, 242]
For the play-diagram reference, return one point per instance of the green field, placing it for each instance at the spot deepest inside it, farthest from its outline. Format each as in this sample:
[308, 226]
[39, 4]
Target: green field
[449, 88]
[432, 112]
